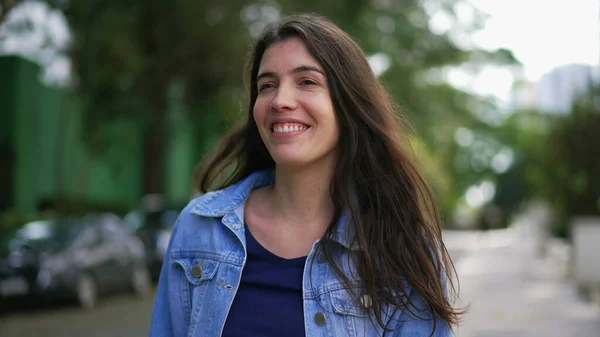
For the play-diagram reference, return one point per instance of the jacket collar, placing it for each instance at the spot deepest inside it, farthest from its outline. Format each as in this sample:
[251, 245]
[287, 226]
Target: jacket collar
[219, 203]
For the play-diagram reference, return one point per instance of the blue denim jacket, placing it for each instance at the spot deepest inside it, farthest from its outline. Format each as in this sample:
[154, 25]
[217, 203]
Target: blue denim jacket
[203, 268]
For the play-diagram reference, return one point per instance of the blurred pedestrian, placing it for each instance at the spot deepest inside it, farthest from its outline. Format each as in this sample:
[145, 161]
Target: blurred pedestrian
[321, 223]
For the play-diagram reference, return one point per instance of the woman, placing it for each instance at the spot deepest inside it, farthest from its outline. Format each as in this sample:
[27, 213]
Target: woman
[322, 224]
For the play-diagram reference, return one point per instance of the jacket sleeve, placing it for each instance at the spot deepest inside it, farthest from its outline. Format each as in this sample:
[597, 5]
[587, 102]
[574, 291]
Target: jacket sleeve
[162, 318]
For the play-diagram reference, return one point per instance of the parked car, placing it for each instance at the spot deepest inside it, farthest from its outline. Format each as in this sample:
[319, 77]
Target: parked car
[153, 228]
[10, 284]
[79, 258]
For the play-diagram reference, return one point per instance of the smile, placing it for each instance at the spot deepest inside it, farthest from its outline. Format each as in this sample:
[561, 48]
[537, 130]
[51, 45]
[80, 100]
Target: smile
[288, 127]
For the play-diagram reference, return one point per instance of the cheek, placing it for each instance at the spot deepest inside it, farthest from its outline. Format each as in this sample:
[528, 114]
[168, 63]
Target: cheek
[335, 133]
[335, 126]
[260, 114]
[259, 111]
[328, 115]
[254, 115]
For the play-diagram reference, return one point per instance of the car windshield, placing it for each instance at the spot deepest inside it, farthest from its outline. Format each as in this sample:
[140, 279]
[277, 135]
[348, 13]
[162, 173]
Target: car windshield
[136, 220]
[48, 233]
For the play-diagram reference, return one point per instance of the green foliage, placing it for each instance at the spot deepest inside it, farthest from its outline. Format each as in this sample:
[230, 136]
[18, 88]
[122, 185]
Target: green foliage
[573, 182]
[525, 132]
[556, 160]
[127, 55]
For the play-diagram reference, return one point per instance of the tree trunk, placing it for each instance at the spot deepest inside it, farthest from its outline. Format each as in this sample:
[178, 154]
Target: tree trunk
[60, 153]
[7, 173]
[154, 145]
[154, 89]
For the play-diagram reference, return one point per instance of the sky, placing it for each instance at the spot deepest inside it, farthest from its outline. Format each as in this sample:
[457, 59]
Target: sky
[542, 34]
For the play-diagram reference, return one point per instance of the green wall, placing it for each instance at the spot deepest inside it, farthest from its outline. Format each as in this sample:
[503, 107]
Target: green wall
[44, 125]
[28, 169]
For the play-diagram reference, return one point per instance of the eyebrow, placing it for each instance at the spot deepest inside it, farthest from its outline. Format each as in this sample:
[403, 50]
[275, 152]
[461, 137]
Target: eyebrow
[296, 70]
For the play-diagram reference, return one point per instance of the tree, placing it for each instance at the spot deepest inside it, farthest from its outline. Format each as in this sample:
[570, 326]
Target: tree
[572, 177]
[526, 134]
[126, 55]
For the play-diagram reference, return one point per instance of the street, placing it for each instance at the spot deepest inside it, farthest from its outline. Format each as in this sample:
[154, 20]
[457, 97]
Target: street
[116, 316]
[512, 292]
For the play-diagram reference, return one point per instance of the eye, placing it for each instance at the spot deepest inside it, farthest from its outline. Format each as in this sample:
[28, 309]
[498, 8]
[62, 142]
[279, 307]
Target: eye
[307, 81]
[264, 86]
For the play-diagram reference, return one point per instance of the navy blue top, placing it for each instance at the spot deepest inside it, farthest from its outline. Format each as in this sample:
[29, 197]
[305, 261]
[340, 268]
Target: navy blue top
[269, 299]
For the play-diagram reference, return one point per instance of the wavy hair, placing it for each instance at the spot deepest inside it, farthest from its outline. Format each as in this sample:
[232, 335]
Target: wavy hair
[376, 180]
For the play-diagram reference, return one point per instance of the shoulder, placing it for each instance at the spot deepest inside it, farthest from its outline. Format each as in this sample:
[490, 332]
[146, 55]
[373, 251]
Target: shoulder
[210, 207]
[219, 202]
[188, 219]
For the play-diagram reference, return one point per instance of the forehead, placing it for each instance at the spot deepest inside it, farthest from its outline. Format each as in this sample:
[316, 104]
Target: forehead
[287, 54]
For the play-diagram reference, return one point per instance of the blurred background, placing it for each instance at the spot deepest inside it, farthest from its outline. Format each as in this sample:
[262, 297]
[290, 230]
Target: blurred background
[106, 107]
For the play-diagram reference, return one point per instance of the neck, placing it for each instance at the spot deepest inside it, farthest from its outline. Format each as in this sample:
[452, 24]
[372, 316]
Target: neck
[302, 196]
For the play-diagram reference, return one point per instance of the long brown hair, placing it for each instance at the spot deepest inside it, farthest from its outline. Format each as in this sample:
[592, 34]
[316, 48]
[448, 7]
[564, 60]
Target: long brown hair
[398, 228]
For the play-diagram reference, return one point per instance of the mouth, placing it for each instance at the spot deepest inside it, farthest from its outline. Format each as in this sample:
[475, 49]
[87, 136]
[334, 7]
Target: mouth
[282, 128]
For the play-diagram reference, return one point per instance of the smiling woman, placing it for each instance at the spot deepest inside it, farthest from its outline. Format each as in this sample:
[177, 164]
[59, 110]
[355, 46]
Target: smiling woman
[324, 225]
[293, 110]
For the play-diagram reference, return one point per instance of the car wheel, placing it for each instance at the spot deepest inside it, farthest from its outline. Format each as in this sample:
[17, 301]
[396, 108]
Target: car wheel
[87, 292]
[141, 283]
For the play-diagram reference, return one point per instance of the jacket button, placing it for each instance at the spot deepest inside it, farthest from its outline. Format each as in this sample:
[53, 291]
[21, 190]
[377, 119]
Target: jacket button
[321, 257]
[320, 318]
[366, 301]
[197, 270]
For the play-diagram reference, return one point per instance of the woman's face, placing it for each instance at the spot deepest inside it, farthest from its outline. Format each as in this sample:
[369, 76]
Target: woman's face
[293, 111]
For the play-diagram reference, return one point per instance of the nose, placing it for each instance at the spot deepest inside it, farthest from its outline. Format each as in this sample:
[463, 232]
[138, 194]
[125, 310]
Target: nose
[284, 99]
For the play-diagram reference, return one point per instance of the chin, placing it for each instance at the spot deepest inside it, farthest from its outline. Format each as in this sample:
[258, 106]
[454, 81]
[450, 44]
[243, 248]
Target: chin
[301, 158]
[287, 161]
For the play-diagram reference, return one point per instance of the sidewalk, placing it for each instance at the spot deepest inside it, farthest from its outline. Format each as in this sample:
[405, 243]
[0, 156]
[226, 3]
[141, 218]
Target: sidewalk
[514, 293]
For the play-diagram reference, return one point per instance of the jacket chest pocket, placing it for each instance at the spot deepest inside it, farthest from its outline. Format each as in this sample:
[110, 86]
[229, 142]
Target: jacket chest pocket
[193, 277]
[350, 316]
[355, 317]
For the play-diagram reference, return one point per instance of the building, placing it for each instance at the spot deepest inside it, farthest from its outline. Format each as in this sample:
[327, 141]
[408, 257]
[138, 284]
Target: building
[556, 90]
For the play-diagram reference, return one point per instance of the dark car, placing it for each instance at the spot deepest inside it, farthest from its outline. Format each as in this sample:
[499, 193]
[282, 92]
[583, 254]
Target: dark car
[153, 228]
[79, 258]
[12, 283]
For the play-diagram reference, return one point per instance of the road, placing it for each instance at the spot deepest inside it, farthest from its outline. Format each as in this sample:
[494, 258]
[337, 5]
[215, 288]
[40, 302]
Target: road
[512, 292]
[115, 316]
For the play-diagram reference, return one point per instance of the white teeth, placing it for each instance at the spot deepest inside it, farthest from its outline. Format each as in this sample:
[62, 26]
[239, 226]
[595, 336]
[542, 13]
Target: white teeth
[289, 127]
